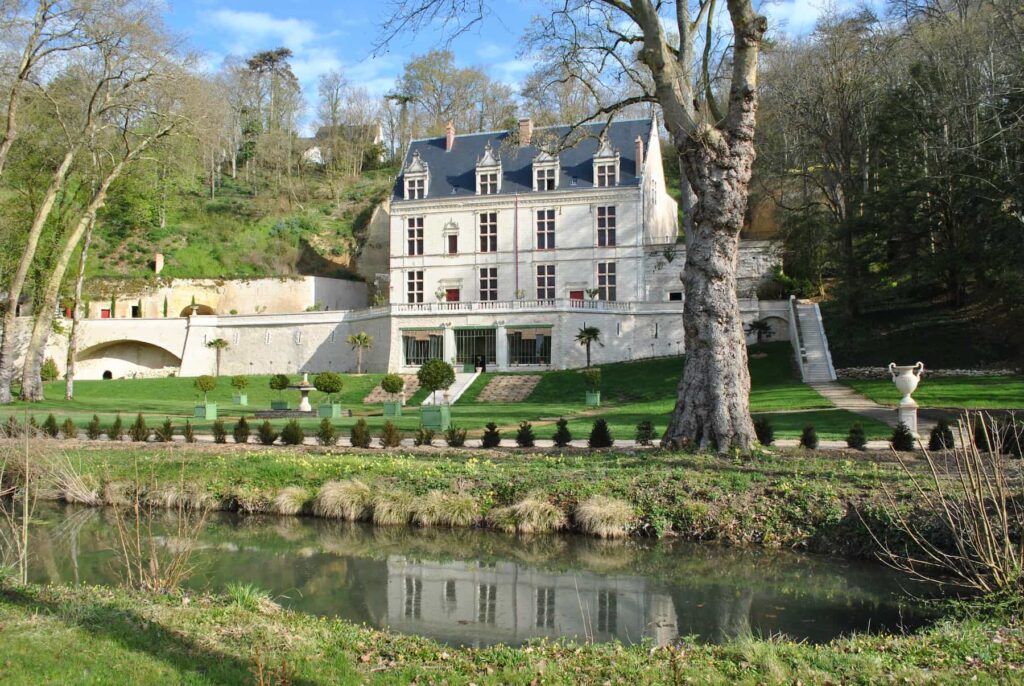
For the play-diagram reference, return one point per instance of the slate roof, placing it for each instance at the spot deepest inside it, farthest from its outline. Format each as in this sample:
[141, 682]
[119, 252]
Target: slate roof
[457, 169]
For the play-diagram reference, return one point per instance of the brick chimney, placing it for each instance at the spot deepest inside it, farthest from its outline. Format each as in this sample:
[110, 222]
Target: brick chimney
[639, 154]
[525, 131]
[158, 263]
[449, 133]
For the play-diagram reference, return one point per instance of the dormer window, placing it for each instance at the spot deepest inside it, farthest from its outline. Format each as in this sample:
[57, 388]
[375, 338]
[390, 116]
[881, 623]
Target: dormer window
[545, 172]
[417, 178]
[606, 165]
[488, 173]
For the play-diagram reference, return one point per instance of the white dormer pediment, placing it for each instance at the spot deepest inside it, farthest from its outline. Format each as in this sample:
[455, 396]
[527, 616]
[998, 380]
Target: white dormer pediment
[488, 172]
[606, 164]
[416, 165]
[544, 157]
[545, 171]
[605, 150]
[488, 159]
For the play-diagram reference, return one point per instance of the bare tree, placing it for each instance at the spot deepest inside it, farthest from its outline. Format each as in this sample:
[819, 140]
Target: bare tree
[627, 42]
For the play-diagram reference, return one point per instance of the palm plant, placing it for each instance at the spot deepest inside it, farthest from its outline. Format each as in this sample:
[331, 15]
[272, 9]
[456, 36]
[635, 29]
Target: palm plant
[360, 341]
[587, 336]
[218, 345]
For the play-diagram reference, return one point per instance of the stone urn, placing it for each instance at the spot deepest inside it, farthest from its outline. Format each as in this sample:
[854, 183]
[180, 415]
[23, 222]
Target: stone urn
[906, 378]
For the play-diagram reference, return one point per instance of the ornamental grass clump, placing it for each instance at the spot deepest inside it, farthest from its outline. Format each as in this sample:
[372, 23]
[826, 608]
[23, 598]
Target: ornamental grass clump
[764, 431]
[93, 430]
[534, 514]
[350, 500]
[359, 434]
[809, 438]
[902, 439]
[600, 435]
[68, 429]
[292, 433]
[423, 436]
[240, 432]
[326, 433]
[454, 436]
[390, 436]
[266, 433]
[119, 493]
[562, 436]
[605, 517]
[393, 507]
[491, 437]
[856, 438]
[525, 437]
[438, 508]
[290, 501]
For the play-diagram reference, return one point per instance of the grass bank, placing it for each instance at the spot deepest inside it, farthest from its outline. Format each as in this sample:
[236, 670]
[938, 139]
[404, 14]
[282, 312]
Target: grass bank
[961, 392]
[109, 636]
[788, 499]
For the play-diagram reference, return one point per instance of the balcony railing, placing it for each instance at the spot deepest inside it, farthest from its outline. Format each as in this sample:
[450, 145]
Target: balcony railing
[512, 305]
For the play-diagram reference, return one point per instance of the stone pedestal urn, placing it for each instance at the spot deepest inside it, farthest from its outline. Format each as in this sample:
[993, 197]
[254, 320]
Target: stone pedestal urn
[906, 378]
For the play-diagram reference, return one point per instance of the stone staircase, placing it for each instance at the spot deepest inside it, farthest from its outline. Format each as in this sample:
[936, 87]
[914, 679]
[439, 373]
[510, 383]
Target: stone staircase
[463, 380]
[810, 343]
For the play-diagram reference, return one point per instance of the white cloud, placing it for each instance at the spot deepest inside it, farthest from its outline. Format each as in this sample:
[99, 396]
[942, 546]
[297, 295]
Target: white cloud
[253, 29]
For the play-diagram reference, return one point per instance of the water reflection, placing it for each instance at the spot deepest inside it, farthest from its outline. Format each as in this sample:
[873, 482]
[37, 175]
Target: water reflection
[478, 588]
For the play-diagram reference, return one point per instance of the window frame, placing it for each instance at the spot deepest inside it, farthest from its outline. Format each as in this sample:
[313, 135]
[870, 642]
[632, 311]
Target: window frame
[545, 281]
[415, 188]
[491, 237]
[546, 178]
[414, 236]
[414, 287]
[607, 282]
[602, 172]
[487, 182]
[488, 284]
[609, 228]
[544, 229]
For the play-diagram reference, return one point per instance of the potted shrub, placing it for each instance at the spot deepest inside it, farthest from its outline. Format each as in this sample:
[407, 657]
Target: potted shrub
[593, 378]
[204, 384]
[279, 383]
[436, 375]
[240, 383]
[393, 384]
[329, 383]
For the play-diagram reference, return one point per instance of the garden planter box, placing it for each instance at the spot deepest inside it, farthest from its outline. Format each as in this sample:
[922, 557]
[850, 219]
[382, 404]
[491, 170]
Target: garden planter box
[593, 398]
[279, 404]
[393, 409]
[206, 411]
[241, 399]
[436, 417]
[330, 410]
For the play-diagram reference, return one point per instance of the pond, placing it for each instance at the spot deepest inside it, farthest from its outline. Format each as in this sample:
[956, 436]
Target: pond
[475, 587]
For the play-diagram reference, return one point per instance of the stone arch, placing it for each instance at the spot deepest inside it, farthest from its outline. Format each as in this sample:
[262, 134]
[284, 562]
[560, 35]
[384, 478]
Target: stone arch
[200, 310]
[780, 328]
[125, 359]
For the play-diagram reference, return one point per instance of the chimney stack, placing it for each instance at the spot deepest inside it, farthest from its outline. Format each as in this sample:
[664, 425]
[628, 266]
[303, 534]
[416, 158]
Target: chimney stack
[639, 154]
[158, 263]
[525, 131]
[449, 132]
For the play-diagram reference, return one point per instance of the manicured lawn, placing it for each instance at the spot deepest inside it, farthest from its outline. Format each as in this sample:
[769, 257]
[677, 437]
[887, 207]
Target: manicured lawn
[631, 392]
[977, 392]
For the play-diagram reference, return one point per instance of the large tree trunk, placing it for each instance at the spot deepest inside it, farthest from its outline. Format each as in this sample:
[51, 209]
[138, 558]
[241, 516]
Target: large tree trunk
[17, 284]
[71, 365]
[713, 404]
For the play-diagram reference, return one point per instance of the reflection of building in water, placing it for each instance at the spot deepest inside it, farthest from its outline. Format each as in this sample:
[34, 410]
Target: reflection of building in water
[506, 603]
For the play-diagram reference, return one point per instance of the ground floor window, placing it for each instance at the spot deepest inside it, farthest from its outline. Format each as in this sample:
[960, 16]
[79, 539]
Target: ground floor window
[420, 346]
[474, 344]
[529, 346]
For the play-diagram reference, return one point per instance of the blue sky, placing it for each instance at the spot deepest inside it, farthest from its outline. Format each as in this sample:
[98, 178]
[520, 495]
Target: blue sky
[326, 35]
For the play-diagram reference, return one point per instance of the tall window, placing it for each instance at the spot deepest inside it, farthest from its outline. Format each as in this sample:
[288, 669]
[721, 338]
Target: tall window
[607, 611]
[489, 283]
[414, 289]
[487, 603]
[545, 282]
[415, 234]
[606, 175]
[415, 189]
[606, 226]
[453, 243]
[606, 280]
[488, 183]
[413, 597]
[545, 229]
[488, 232]
[546, 180]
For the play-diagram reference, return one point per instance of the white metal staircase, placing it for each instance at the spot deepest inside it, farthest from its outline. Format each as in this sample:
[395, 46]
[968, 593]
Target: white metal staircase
[810, 344]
